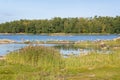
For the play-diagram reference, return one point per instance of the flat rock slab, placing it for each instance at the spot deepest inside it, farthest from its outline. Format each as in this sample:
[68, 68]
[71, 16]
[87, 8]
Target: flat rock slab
[5, 41]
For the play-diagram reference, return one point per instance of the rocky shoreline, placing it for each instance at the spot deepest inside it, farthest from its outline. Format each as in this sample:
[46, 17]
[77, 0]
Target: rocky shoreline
[6, 41]
[2, 58]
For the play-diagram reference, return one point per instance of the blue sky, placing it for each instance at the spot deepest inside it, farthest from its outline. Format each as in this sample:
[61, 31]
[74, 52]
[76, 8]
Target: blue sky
[46, 9]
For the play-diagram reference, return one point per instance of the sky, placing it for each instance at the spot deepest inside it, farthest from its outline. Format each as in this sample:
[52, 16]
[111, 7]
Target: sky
[11, 10]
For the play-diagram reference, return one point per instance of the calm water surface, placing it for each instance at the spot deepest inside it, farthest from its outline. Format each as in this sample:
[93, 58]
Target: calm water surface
[6, 48]
[66, 37]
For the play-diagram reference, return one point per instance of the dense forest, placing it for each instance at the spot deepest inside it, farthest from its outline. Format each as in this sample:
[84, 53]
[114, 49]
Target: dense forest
[96, 24]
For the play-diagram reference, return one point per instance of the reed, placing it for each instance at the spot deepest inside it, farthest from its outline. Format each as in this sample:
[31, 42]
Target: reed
[46, 63]
[39, 56]
[94, 64]
[104, 44]
[92, 60]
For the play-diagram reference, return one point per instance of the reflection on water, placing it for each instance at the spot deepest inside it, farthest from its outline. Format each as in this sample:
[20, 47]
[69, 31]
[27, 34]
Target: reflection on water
[70, 49]
[64, 49]
[73, 51]
[6, 48]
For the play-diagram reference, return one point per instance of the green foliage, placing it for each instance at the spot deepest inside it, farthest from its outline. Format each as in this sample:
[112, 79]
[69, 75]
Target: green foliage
[36, 56]
[93, 66]
[33, 63]
[45, 63]
[64, 25]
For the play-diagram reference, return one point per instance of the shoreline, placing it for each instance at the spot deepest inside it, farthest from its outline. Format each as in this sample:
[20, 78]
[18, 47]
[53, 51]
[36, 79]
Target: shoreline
[58, 34]
[2, 58]
[8, 41]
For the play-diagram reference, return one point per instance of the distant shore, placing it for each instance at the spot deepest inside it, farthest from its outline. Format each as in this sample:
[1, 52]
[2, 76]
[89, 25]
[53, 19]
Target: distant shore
[7, 41]
[56, 34]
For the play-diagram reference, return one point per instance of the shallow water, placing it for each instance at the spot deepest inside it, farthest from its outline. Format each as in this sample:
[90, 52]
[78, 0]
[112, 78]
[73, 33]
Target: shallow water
[6, 48]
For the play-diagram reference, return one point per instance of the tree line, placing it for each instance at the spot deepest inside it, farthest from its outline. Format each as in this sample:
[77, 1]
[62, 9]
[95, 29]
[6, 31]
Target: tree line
[96, 24]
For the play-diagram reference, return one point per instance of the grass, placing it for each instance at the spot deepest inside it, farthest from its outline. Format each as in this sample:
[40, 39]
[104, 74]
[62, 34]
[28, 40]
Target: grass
[107, 44]
[38, 56]
[31, 63]
[45, 63]
[93, 67]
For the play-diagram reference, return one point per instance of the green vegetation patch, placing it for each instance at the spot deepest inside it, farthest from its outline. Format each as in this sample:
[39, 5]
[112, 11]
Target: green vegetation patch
[64, 25]
[36, 56]
[46, 63]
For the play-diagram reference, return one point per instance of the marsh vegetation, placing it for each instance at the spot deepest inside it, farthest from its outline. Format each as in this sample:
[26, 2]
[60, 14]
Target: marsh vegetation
[46, 63]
